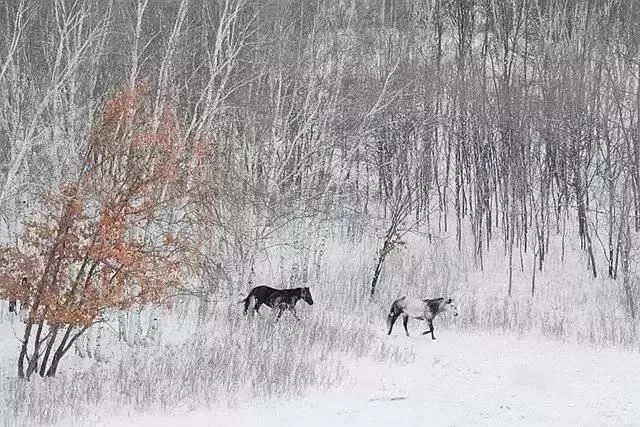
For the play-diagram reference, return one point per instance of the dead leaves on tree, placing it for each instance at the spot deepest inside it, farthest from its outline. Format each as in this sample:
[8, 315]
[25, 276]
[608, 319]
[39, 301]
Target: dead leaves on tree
[116, 234]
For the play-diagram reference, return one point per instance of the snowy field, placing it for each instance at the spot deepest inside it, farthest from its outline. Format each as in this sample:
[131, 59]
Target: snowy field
[161, 159]
[553, 360]
[460, 379]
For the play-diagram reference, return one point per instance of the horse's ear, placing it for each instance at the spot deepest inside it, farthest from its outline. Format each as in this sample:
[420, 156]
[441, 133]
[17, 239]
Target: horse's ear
[449, 301]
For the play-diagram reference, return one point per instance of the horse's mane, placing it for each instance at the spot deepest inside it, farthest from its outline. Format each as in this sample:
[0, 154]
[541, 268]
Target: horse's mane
[438, 300]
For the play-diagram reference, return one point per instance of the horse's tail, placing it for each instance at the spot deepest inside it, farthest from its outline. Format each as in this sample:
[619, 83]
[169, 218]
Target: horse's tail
[396, 310]
[246, 302]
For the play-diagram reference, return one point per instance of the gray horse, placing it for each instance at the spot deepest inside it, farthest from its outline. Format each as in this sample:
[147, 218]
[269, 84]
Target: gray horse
[421, 309]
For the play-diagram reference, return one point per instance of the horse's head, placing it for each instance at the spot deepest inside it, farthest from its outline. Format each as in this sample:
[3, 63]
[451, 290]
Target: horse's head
[306, 295]
[448, 306]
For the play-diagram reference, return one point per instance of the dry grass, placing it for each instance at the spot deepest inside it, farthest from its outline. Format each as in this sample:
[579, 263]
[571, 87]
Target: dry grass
[230, 359]
[233, 358]
[569, 305]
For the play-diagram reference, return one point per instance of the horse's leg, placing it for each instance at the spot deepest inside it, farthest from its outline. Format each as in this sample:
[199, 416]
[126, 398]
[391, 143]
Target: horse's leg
[430, 321]
[405, 320]
[429, 331]
[293, 311]
[256, 307]
[280, 311]
[391, 319]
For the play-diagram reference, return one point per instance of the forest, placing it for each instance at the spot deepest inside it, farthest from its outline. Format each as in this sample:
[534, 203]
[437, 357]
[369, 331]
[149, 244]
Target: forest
[160, 158]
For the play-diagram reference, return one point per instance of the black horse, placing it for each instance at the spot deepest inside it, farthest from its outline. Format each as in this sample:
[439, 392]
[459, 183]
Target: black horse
[277, 299]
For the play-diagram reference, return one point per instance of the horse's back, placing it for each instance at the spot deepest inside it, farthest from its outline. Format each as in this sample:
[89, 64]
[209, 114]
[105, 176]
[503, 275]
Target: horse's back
[411, 306]
[262, 291]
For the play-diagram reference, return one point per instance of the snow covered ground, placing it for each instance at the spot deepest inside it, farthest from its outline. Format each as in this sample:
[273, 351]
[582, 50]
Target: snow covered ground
[460, 379]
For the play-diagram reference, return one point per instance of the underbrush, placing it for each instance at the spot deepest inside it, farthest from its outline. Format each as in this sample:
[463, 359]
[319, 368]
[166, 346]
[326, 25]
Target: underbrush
[568, 303]
[229, 361]
[593, 315]
[235, 360]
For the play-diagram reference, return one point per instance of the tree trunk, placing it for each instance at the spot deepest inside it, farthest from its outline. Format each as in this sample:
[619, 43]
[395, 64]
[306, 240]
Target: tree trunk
[378, 269]
[63, 347]
[59, 353]
[54, 332]
[35, 356]
[24, 348]
[626, 270]
[533, 274]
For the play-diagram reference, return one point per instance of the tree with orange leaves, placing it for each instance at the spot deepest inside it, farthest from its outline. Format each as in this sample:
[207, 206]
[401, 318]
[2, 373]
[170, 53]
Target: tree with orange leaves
[117, 233]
